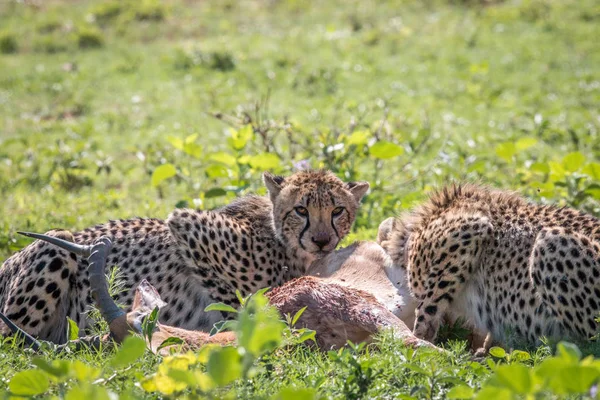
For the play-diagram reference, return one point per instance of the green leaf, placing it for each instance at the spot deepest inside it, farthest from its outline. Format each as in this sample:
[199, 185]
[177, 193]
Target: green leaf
[296, 394]
[29, 383]
[84, 372]
[220, 307]
[132, 348]
[149, 324]
[298, 315]
[307, 334]
[496, 393]
[358, 138]
[573, 161]
[223, 158]
[73, 329]
[540, 167]
[224, 365]
[460, 392]
[59, 369]
[170, 342]
[217, 171]
[88, 392]
[592, 170]
[515, 377]
[519, 355]
[385, 150]
[506, 151]
[241, 137]
[215, 192]
[162, 173]
[498, 352]
[568, 352]
[525, 143]
[264, 161]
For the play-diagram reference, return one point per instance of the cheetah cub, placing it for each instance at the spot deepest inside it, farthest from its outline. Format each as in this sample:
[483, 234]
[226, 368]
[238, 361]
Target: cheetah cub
[514, 270]
[194, 258]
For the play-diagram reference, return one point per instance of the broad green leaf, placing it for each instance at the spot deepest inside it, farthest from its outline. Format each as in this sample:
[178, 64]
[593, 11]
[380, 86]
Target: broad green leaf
[498, 352]
[557, 171]
[240, 138]
[183, 376]
[264, 161]
[578, 379]
[176, 142]
[519, 355]
[220, 307]
[298, 315]
[132, 348]
[223, 158]
[295, 394]
[162, 383]
[592, 170]
[29, 383]
[515, 377]
[460, 392]
[170, 342]
[525, 143]
[358, 138]
[58, 369]
[540, 167]
[568, 352]
[496, 393]
[87, 391]
[217, 171]
[215, 192]
[506, 151]
[308, 334]
[573, 161]
[84, 372]
[73, 329]
[163, 172]
[224, 365]
[385, 150]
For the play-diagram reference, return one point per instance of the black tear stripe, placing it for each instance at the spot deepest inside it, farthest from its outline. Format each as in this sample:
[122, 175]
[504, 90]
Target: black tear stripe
[303, 231]
[333, 226]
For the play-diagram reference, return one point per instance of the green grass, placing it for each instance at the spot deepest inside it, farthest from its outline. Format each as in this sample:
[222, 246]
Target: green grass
[94, 96]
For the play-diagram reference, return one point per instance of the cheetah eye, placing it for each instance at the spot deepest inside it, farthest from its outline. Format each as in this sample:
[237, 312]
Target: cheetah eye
[337, 211]
[301, 211]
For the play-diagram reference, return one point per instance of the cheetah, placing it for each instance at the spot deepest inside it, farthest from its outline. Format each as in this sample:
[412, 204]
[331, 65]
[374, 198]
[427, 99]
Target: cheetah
[515, 271]
[194, 258]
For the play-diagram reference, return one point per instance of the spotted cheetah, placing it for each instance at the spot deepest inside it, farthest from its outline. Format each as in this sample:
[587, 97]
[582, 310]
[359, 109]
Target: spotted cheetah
[194, 258]
[514, 270]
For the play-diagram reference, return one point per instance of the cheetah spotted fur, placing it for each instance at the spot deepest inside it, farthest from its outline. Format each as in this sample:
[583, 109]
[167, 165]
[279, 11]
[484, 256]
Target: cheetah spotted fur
[194, 258]
[514, 270]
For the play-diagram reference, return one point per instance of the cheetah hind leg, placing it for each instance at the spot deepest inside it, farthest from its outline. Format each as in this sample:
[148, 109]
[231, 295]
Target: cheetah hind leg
[39, 291]
[565, 268]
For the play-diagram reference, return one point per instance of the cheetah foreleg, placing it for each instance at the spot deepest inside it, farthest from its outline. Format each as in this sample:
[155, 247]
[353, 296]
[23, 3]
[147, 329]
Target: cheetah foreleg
[442, 259]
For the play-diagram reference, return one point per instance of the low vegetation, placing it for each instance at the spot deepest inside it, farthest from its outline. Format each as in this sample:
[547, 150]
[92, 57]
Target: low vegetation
[128, 108]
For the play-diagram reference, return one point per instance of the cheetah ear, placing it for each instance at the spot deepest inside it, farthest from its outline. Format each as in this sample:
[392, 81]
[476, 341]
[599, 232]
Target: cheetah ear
[358, 189]
[274, 184]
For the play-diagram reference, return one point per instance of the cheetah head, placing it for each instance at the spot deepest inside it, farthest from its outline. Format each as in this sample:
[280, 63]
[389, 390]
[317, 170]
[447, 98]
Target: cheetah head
[313, 210]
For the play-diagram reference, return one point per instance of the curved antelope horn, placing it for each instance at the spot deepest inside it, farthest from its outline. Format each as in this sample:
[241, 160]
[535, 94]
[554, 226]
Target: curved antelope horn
[20, 333]
[97, 265]
[80, 250]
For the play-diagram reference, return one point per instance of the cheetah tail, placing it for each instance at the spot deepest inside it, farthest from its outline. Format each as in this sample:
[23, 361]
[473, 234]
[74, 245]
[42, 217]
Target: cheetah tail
[78, 249]
[20, 333]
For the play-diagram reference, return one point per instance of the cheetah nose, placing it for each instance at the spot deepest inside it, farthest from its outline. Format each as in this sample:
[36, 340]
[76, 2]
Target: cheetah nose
[321, 239]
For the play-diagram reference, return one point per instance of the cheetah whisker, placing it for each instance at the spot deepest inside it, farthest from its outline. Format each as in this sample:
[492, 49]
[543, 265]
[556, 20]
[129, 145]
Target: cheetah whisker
[80, 250]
